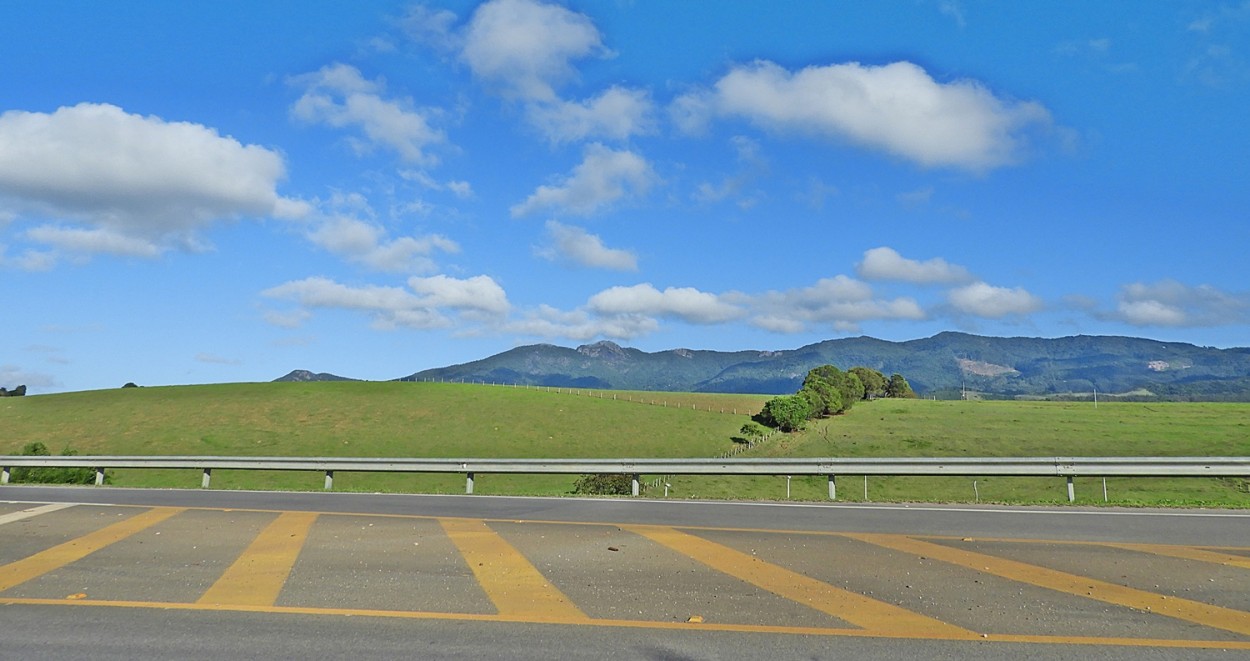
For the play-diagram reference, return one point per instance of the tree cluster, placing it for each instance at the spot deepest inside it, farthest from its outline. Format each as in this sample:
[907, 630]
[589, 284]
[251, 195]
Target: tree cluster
[827, 391]
[19, 391]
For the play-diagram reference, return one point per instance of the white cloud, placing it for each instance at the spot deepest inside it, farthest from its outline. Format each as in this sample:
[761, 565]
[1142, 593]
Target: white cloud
[1170, 303]
[897, 108]
[527, 47]
[983, 300]
[841, 302]
[121, 183]
[367, 243]
[579, 325]
[421, 307]
[479, 293]
[214, 359]
[339, 96]
[585, 249]
[603, 177]
[616, 114]
[685, 303]
[886, 264]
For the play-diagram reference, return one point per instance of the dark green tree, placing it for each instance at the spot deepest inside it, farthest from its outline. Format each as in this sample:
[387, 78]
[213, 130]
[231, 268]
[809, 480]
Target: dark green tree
[752, 432]
[898, 387]
[847, 385]
[874, 381]
[787, 412]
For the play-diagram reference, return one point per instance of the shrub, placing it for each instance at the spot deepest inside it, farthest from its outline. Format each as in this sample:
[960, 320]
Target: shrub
[604, 484]
[51, 474]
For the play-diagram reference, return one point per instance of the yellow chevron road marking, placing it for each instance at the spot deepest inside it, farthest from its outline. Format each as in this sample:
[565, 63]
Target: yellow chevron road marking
[1184, 609]
[257, 576]
[1184, 553]
[1165, 643]
[875, 616]
[16, 573]
[515, 586]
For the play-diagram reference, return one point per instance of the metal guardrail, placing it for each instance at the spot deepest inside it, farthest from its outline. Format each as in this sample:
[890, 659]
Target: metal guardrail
[1068, 467]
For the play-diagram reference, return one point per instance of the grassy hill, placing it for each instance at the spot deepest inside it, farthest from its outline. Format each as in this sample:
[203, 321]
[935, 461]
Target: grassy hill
[395, 419]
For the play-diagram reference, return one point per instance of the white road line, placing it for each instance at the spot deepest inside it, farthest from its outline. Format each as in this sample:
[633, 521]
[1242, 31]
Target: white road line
[32, 512]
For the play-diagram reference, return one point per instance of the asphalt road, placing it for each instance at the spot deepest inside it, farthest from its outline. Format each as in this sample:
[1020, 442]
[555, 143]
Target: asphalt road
[154, 574]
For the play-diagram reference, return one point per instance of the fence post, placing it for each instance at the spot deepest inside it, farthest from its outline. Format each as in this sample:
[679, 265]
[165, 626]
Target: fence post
[1071, 491]
[329, 480]
[833, 488]
[468, 483]
[208, 473]
[633, 487]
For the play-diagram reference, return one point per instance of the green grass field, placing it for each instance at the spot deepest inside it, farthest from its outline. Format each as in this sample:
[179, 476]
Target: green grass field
[389, 419]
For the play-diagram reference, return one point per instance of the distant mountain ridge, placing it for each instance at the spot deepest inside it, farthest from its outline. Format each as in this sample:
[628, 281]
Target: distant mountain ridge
[305, 375]
[944, 365]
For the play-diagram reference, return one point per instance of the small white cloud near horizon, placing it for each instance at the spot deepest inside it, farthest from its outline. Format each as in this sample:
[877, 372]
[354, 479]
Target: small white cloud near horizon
[840, 302]
[1172, 304]
[426, 304]
[685, 303]
[577, 246]
[980, 299]
[885, 263]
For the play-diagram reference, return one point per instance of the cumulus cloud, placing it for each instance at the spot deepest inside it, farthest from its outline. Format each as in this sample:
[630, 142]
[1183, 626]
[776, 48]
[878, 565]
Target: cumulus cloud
[1170, 303]
[426, 305]
[527, 47]
[896, 108]
[603, 177]
[338, 95]
[685, 303]
[548, 322]
[127, 184]
[886, 264]
[580, 247]
[526, 50]
[616, 114]
[840, 302]
[983, 300]
[367, 243]
[478, 294]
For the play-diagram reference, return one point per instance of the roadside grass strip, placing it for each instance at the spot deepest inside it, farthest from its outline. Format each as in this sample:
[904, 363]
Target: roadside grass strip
[13, 517]
[16, 573]
[1196, 612]
[513, 584]
[257, 576]
[869, 614]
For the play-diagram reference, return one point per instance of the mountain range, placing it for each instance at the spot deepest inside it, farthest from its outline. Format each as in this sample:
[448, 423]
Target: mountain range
[947, 365]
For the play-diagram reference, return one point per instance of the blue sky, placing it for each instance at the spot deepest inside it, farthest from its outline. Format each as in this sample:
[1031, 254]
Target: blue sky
[226, 191]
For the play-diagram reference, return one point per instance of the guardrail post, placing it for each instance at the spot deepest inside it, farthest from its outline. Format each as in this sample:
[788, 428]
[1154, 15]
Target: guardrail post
[833, 488]
[468, 483]
[329, 480]
[4, 475]
[1071, 491]
[99, 476]
[634, 488]
[208, 473]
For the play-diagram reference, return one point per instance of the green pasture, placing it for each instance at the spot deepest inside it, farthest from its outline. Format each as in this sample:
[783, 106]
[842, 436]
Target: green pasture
[391, 419]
